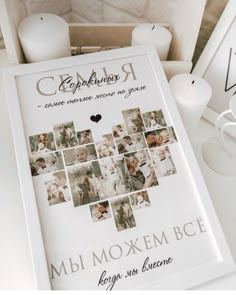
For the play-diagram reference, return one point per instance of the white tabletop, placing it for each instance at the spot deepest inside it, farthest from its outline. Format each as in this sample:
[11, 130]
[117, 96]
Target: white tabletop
[16, 271]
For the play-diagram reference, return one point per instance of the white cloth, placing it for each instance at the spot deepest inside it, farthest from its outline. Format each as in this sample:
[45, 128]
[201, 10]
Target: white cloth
[139, 146]
[171, 140]
[132, 127]
[142, 204]
[53, 168]
[165, 167]
[145, 168]
[43, 150]
[66, 193]
[114, 177]
[127, 210]
[154, 124]
[130, 147]
[44, 170]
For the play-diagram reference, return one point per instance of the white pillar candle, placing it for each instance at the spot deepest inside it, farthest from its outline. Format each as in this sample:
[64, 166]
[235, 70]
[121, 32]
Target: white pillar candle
[192, 95]
[44, 36]
[153, 34]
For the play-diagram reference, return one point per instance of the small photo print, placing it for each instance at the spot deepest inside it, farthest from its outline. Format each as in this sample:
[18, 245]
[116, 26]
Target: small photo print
[100, 211]
[42, 143]
[57, 188]
[46, 163]
[160, 137]
[154, 120]
[65, 135]
[140, 200]
[123, 213]
[85, 137]
[119, 131]
[106, 147]
[140, 170]
[114, 178]
[131, 143]
[133, 121]
[83, 184]
[80, 154]
[162, 161]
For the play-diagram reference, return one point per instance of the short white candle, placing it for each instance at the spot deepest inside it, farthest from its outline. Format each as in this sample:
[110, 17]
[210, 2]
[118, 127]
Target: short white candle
[44, 36]
[153, 34]
[192, 95]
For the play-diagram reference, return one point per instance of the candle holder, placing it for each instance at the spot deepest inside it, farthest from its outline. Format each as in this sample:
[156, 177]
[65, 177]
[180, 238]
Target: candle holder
[220, 152]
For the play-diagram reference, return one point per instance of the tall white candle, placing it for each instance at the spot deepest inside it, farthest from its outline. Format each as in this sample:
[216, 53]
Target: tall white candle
[44, 36]
[192, 95]
[153, 34]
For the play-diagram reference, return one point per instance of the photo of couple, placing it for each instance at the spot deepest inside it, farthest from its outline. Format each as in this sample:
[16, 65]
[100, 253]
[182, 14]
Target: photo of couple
[65, 135]
[83, 186]
[133, 121]
[154, 120]
[80, 155]
[119, 131]
[160, 137]
[123, 213]
[57, 189]
[100, 211]
[141, 171]
[85, 137]
[130, 143]
[162, 161]
[140, 200]
[46, 163]
[42, 143]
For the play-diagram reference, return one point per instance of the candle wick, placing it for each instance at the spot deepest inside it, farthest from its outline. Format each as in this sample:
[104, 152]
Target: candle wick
[41, 18]
[193, 82]
[153, 27]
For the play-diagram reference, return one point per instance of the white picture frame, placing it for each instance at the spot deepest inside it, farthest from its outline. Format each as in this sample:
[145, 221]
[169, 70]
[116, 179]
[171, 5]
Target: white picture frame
[223, 263]
[218, 50]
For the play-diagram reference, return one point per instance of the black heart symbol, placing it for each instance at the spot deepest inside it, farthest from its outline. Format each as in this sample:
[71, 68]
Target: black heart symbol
[96, 118]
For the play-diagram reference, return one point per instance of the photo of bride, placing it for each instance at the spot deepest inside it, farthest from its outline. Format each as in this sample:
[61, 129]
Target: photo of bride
[65, 135]
[154, 120]
[123, 213]
[42, 143]
[133, 121]
[83, 184]
[114, 178]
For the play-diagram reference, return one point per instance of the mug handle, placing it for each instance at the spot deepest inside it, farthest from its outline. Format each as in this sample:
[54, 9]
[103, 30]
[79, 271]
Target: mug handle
[217, 123]
[223, 139]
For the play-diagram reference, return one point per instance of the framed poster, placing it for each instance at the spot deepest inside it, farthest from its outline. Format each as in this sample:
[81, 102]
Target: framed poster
[113, 195]
[217, 63]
